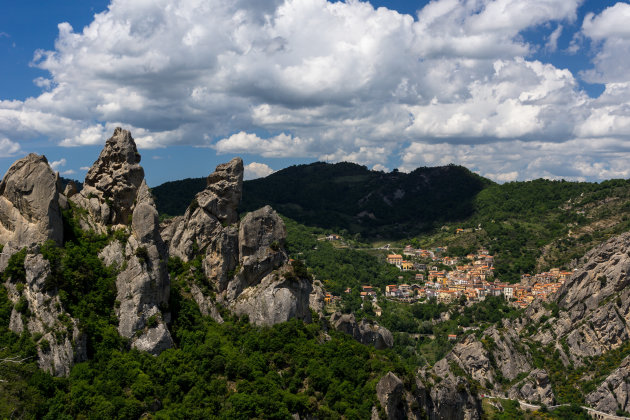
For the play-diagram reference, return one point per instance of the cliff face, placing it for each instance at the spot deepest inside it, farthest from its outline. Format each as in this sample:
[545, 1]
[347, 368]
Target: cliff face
[245, 264]
[111, 185]
[587, 318]
[29, 207]
[30, 215]
[116, 197]
[245, 267]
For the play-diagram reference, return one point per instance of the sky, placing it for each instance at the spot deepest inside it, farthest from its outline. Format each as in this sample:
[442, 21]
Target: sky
[511, 89]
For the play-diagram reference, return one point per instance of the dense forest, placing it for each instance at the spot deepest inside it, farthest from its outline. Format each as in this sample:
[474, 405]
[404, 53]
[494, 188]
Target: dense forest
[351, 197]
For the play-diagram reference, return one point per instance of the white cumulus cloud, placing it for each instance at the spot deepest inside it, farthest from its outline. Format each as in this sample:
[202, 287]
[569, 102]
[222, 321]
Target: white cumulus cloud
[57, 164]
[257, 170]
[9, 148]
[336, 81]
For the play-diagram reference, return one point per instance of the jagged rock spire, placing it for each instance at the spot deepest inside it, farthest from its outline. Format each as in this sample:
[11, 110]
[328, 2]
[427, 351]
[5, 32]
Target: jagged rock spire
[113, 180]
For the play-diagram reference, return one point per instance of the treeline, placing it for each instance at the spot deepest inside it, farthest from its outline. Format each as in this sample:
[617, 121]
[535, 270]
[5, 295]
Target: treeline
[351, 197]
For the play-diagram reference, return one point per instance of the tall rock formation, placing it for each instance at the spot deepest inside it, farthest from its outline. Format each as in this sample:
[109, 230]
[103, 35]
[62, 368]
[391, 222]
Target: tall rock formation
[115, 196]
[29, 207]
[245, 264]
[38, 310]
[111, 185]
[29, 216]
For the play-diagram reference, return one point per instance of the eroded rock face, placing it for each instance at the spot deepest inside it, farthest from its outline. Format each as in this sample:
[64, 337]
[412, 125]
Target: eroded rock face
[29, 207]
[212, 209]
[474, 359]
[111, 185]
[245, 263]
[261, 239]
[536, 388]
[450, 398]
[143, 287]
[614, 392]
[390, 392]
[61, 343]
[364, 332]
[275, 299]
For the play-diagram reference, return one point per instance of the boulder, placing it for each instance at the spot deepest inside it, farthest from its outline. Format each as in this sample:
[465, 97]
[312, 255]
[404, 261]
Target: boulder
[536, 388]
[364, 332]
[29, 207]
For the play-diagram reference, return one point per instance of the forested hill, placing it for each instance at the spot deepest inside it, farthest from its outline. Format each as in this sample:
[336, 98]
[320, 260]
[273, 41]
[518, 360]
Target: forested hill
[351, 197]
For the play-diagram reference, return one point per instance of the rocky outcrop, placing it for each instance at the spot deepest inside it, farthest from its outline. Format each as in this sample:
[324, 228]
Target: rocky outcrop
[143, 286]
[471, 356]
[245, 264]
[116, 197]
[39, 310]
[266, 288]
[363, 331]
[205, 227]
[316, 298]
[29, 207]
[536, 388]
[390, 392]
[614, 393]
[278, 297]
[111, 185]
[510, 356]
[443, 395]
[261, 238]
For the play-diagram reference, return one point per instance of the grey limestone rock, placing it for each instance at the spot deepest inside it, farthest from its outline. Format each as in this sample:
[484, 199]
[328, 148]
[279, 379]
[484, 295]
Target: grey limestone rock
[390, 392]
[474, 359]
[143, 287]
[245, 263]
[111, 185]
[261, 239]
[316, 298]
[207, 306]
[29, 207]
[209, 225]
[511, 357]
[275, 299]
[536, 388]
[223, 193]
[614, 392]
[363, 331]
[61, 343]
[450, 397]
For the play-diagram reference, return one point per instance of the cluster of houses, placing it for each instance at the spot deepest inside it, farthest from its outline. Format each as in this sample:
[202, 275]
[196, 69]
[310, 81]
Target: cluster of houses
[475, 279]
[472, 278]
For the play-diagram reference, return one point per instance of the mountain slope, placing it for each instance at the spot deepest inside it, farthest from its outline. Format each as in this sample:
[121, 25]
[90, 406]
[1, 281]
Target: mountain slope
[349, 196]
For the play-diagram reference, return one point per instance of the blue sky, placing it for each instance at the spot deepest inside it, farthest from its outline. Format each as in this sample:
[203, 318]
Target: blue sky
[510, 89]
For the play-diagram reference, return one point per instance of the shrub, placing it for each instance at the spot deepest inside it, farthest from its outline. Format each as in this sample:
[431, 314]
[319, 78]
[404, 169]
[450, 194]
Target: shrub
[143, 254]
[15, 267]
[152, 322]
[44, 345]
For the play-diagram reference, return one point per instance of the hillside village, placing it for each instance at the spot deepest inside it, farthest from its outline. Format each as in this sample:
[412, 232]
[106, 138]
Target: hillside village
[447, 279]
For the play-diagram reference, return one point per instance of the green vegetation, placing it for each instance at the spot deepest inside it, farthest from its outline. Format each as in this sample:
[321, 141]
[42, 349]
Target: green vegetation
[331, 196]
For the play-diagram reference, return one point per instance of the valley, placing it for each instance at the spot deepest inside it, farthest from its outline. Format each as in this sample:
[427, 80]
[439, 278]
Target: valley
[320, 291]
